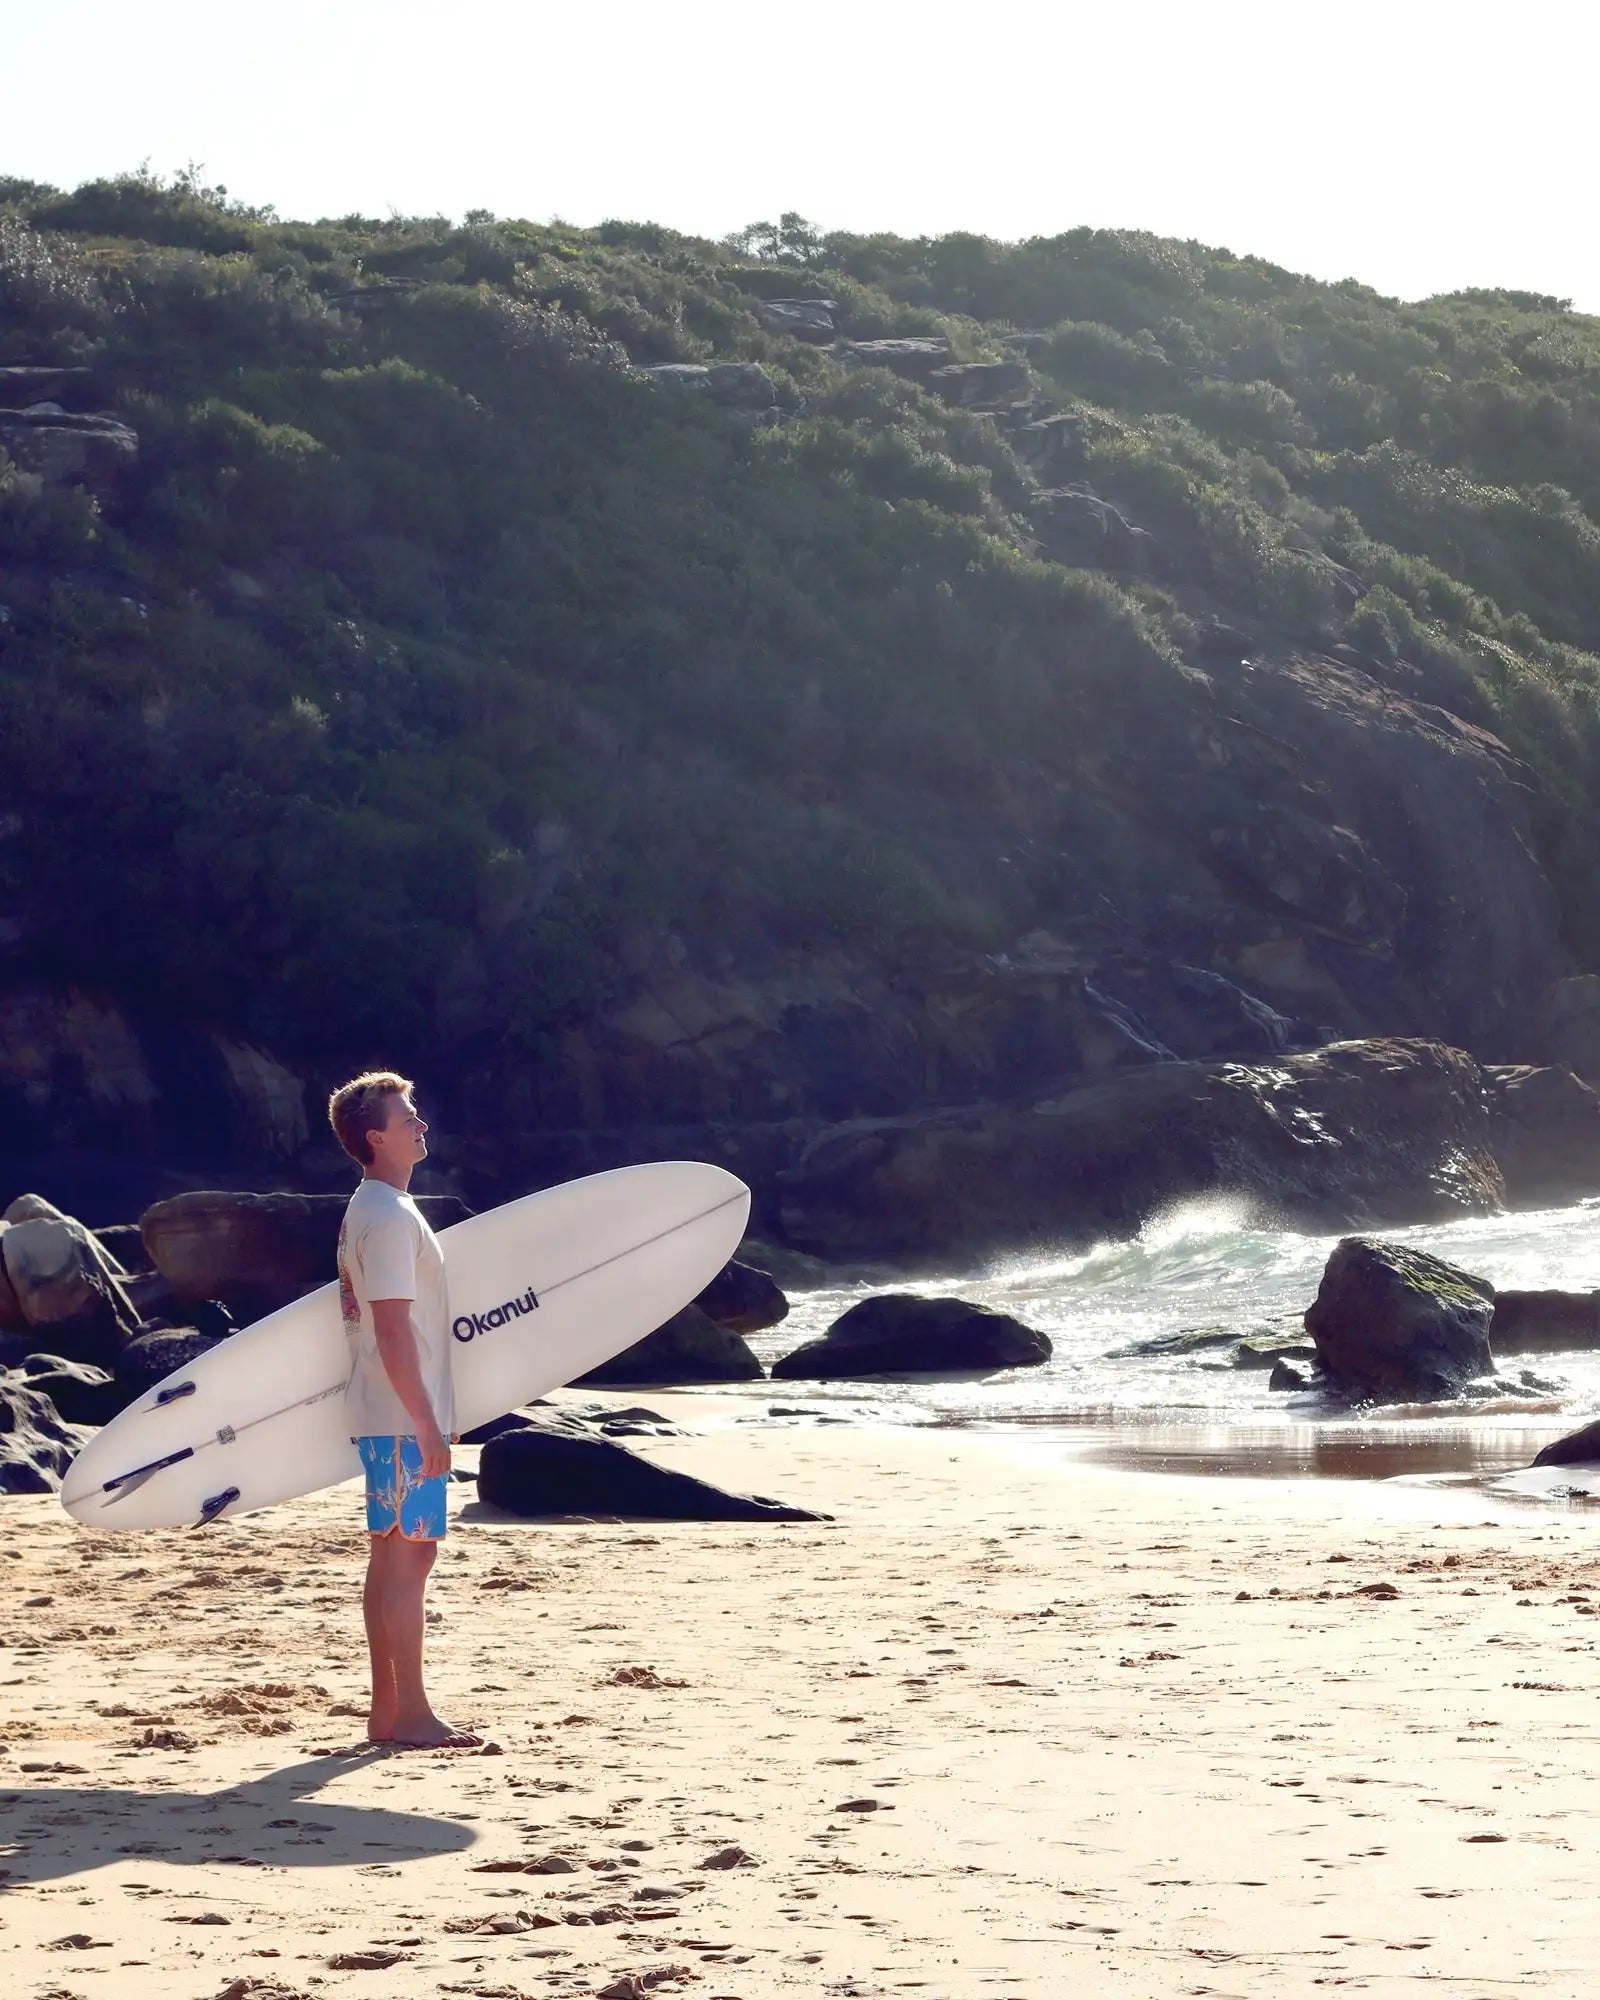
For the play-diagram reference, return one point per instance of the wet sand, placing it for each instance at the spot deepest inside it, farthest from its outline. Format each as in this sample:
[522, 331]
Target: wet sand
[1435, 1449]
[1010, 1724]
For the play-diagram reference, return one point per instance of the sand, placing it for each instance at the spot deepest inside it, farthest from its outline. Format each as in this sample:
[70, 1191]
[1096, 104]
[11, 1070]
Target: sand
[1006, 1726]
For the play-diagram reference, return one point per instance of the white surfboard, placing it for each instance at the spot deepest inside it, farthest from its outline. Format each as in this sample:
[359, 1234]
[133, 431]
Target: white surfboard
[542, 1290]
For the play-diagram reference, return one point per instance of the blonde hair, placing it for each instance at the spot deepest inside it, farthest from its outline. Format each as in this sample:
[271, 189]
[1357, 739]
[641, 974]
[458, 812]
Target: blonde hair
[357, 1108]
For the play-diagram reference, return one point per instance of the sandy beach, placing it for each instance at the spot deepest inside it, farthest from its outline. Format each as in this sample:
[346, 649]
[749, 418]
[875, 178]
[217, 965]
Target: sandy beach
[1005, 1726]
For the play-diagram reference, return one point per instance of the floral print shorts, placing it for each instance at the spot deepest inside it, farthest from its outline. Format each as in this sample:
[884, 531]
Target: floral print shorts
[398, 1497]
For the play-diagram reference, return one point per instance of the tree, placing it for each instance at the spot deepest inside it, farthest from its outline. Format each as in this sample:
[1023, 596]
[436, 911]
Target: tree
[789, 240]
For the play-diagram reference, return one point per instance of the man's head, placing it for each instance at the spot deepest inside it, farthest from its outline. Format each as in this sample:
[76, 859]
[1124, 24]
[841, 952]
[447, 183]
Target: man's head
[376, 1122]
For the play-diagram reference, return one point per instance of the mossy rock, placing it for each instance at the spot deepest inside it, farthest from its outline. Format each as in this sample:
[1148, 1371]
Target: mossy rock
[1390, 1322]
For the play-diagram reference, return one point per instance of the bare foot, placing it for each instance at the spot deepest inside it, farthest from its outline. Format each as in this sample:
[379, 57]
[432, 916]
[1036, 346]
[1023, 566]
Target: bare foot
[429, 1732]
[380, 1728]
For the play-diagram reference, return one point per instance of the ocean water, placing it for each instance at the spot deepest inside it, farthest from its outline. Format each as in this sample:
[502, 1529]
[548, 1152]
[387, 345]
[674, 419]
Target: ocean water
[1204, 1264]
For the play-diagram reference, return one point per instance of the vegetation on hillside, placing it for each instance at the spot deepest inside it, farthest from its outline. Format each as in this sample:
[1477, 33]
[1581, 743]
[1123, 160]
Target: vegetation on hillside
[430, 661]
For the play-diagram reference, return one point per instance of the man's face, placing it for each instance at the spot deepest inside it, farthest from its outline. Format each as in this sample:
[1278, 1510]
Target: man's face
[403, 1140]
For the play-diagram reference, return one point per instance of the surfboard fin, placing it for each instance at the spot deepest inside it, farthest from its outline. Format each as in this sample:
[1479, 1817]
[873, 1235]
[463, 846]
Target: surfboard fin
[213, 1508]
[129, 1482]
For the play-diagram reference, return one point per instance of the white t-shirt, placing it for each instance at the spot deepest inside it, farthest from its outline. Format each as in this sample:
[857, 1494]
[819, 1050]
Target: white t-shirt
[387, 1251]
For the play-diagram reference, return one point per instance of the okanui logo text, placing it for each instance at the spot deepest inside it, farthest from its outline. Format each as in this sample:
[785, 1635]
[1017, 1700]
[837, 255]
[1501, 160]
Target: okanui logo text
[467, 1326]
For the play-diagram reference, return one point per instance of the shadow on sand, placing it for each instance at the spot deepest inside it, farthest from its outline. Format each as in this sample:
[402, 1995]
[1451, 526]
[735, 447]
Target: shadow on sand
[51, 1831]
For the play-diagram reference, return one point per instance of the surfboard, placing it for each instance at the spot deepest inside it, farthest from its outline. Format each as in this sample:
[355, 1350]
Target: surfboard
[542, 1290]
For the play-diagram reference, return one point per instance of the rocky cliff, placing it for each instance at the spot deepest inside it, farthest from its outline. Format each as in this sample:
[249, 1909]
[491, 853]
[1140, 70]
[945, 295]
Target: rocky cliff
[665, 706]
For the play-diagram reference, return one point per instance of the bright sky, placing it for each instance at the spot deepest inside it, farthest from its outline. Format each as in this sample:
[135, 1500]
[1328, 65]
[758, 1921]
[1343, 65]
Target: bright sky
[1419, 145]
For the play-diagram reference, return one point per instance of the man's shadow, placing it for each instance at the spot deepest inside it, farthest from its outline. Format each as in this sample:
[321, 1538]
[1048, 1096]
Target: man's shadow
[50, 1831]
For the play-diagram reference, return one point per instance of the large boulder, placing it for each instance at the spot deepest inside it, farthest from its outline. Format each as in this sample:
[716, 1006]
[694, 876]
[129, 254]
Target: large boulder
[154, 1356]
[1053, 446]
[123, 1242]
[744, 1299]
[899, 1334]
[801, 319]
[1394, 1323]
[981, 384]
[1544, 1126]
[576, 1420]
[917, 356]
[1351, 1136]
[34, 1208]
[36, 1446]
[538, 1473]
[23, 385]
[1077, 527]
[493, 1427]
[80, 1392]
[62, 1287]
[1544, 1322]
[690, 1347]
[744, 387]
[1573, 1023]
[256, 1252]
[1576, 1448]
[11, 1319]
[92, 449]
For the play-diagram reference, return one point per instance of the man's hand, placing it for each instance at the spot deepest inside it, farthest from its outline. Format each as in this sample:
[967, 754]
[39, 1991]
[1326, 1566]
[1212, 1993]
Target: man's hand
[435, 1451]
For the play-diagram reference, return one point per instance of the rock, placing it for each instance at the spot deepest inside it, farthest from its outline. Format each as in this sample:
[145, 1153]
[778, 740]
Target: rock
[1577, 1448]
[801, 319]
[154, 1356]
[1264, 1351]
[898, 1334]
[92, 450]
[1164, 1346]
[743, 1299]
[123, 1242]
[1285, 1375]
[730, 1857]
[11, 1319]
[690, 1347]
[1574, 1023]
[981, 384]
[917, 357]
[36, 1446]
[1544, 1322]
[73, 1073]
[34, 1208]
[1218, 643]
[1544, 1127]
[152, 1298]
[790, 1269]
[23, 387]
[68, 1289]
[539, 1473]
[1053, 446]
[1395, 1323]
[80, 1392]
[743, 387]
[256, 1252]
[86, 1091]
[1338, 1139]
[513, 1420]
[1077, 527]
[212, 1318]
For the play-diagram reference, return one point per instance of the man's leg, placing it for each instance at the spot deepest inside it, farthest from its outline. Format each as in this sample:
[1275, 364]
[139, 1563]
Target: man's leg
[401, 1580]
[380, 1721]
[406, 1517]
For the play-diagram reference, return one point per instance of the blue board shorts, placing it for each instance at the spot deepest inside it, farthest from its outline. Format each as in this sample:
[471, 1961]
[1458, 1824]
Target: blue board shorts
[398, 1497]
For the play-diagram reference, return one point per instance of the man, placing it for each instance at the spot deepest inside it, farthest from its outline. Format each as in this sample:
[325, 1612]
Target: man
[400, 1397]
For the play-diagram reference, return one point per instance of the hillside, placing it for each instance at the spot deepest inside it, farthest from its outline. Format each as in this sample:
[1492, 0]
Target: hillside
[638, 682]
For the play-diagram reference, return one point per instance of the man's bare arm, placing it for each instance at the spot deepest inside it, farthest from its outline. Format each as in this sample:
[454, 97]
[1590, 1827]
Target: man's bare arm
[397, 1349]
